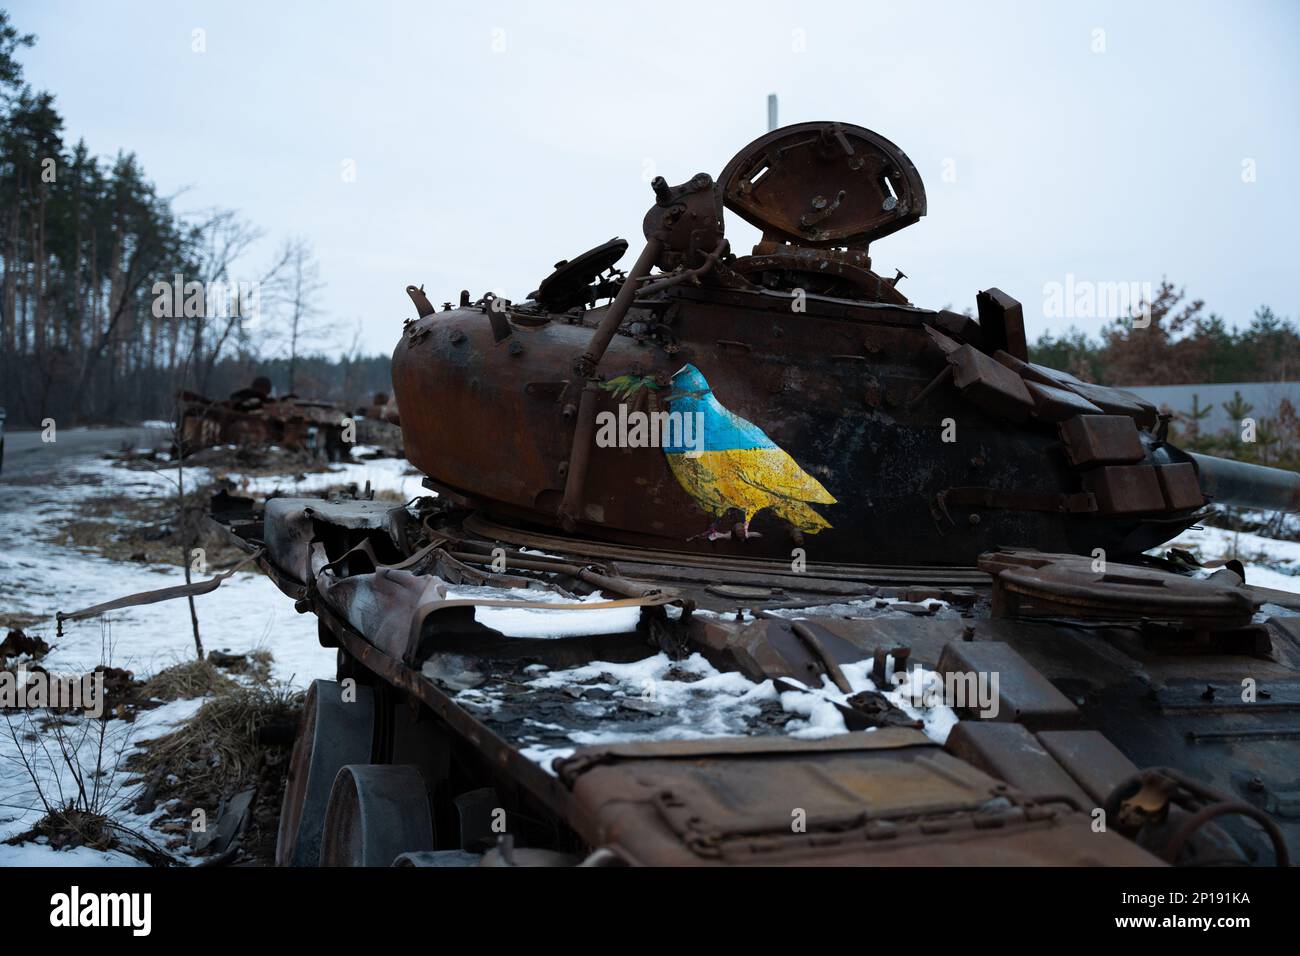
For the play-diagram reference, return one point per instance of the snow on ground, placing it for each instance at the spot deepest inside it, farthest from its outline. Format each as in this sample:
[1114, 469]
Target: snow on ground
[25, 762]
[384, 474]
[41, 854]
[1269, 563]
[39, 578]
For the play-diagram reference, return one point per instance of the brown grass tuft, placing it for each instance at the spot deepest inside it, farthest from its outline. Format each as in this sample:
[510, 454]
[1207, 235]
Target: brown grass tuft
[187, 680]
[219, 750]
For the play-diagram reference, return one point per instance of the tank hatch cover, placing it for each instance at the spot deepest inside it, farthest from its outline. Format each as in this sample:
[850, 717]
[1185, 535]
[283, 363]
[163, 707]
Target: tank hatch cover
[824, 184]
[1029, 583]
[570, 284]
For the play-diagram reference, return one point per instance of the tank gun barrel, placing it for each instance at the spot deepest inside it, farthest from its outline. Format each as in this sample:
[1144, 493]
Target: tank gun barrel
[1240, 483]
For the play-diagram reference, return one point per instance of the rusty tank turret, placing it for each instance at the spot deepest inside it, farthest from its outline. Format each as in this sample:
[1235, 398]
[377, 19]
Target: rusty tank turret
[755, 536]
[824, 410]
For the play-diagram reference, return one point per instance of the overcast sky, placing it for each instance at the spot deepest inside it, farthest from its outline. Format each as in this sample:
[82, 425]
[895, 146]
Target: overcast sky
[1107, 141]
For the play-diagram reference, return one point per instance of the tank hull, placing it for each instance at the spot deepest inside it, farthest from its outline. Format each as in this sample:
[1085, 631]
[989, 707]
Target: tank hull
[839, 388]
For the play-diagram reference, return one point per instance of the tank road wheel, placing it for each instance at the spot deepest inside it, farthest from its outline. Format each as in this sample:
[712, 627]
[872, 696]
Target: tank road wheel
[376, 813]
[334, 732]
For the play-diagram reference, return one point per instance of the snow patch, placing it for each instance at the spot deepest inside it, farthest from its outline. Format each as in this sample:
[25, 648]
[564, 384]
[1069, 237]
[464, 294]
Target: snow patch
[23, 759]
[541, 623]
[384, 474]
[701, 702]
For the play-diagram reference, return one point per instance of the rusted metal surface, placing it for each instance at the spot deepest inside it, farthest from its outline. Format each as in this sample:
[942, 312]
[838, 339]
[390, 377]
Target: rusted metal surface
[824, 185]
[889, 798]
[378, 425]
[1010, 752]
[849, 550]
[1024, 695]
[924, 437]
[1027, 583]
[722, 567]
[251, 417]
[899, 800]
[1166, 810]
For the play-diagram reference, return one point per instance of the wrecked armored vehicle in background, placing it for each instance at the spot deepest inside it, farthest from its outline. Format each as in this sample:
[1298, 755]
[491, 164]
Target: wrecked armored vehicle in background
[379, 426]
[861, 603]
[252, 418]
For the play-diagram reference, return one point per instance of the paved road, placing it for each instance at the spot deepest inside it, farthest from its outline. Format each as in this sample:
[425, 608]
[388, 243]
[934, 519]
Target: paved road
[26, 455]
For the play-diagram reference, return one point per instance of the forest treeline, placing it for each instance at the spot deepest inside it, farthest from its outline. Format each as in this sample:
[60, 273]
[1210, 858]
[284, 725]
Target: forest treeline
[91, 254]
[1183, 344]
[87, 244]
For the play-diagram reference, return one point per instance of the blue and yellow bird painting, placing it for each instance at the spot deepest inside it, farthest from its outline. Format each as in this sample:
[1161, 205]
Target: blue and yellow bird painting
[736, 465]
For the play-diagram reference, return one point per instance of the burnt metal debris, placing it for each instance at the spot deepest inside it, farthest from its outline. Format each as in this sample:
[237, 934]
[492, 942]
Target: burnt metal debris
[821, 550]
[379, 425]
[252, 417]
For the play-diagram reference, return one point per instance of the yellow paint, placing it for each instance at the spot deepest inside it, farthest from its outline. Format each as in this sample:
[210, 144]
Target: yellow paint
[752, 479]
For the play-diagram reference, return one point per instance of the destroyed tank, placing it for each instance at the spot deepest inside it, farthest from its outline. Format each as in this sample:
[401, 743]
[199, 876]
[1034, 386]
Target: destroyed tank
[838, 417]
[759, 563]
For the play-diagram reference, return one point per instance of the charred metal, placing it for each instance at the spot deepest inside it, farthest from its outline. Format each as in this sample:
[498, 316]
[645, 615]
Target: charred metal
[882, 490]
[251, 417]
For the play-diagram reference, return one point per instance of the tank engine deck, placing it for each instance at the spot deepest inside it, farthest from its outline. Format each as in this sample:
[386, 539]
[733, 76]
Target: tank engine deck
[655, 708]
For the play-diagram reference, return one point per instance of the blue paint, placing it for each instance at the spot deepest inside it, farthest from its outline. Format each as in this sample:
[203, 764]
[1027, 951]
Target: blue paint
[723, 429]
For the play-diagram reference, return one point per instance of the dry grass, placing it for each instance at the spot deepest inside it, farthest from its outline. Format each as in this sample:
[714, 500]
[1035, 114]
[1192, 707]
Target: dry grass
[151, 530]
[260, 664]
[71, 827]
[219, 750]
[188, 680]
[236, 741]
[255, 665]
